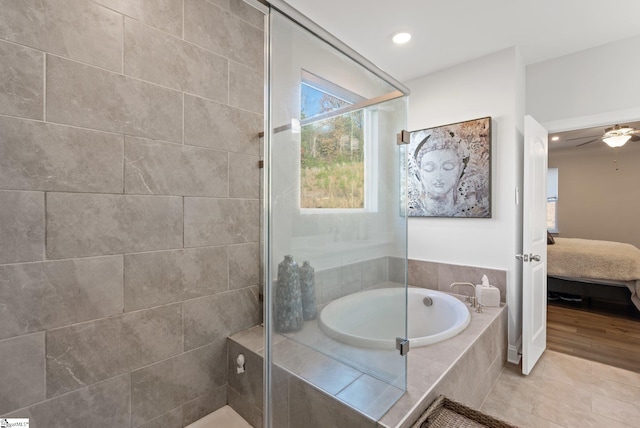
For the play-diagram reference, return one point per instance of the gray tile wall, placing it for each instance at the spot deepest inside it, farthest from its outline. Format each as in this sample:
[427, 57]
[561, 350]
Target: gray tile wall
[129, 206]
[337, 282]
[439, 276]
[348, 279]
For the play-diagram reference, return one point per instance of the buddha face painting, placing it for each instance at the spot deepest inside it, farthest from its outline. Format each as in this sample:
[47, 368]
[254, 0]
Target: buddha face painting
[449, 170]
[439, 172]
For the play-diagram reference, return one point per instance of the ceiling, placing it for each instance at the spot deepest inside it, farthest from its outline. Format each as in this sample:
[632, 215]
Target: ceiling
[571, 139]
[447, 32]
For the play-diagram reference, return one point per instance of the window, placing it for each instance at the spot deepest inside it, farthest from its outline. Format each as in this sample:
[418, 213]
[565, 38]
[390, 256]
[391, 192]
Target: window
[333, 147]
[552, 200]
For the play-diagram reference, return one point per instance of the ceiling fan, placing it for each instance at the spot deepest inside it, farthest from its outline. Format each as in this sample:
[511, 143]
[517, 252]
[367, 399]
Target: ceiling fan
[615, 136]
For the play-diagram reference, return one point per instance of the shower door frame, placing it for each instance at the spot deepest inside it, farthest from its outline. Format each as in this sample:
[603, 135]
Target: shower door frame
[401, 91]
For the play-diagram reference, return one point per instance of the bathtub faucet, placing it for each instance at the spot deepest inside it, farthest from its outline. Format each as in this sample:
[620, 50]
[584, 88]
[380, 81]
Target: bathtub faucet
[472, 300]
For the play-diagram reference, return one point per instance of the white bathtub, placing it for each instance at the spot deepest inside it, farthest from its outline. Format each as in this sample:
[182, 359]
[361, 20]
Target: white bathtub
[374, 318]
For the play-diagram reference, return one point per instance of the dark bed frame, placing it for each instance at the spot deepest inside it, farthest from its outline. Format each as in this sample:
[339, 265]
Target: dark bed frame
[589, 290]
[598, 298]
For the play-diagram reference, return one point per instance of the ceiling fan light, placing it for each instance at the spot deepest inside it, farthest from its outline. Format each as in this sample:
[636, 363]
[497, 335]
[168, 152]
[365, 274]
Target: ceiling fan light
[617, 140]
[616, 130]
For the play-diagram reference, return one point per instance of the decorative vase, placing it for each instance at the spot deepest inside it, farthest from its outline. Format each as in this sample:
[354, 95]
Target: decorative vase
[288, 303]
[308, 290]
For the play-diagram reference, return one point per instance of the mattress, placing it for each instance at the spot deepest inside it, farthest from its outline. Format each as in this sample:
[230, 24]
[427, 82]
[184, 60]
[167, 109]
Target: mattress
[589, 260]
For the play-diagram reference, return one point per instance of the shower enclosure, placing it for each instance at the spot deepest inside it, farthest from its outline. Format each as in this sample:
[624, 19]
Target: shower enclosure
[334, 197]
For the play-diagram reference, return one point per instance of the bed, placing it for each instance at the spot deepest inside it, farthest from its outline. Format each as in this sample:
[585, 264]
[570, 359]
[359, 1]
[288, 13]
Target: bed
[592, 268]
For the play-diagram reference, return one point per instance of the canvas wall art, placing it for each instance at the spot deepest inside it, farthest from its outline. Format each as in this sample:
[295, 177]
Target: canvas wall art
[449, 170]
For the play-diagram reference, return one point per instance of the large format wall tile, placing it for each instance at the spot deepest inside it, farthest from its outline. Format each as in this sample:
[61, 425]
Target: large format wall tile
[44, 295]
[80, 225]
[338, 282]
[213, 28]
[216, 317]
[220, 221]
[223, 4]
[423, 274]
[42, 156]
[163, 14]
[111, 121]
[22, 371]
[171, 419]
[326, 373]
[203, 405]
[248, 411]
[21, 74]
[92, 98]
[102, 405]
[487, 383]
[89, 352]
[448, 274]
[211, 124]
[77, 29]
[247, 12]
[244, 176]
[280, 395]
[249, 384]
[152, 279]
[244, 265]
[21, 226]
[375, 272]
[176, 381]
[246, 88]
[371, 396]
[154, 56]
[397, 270]
[311, 408]
[153, 167]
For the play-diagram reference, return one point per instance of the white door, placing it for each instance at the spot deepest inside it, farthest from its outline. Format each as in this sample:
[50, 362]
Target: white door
[534, 244]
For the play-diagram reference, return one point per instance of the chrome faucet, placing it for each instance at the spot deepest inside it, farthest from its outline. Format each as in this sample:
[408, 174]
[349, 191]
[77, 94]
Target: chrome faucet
[472, 300]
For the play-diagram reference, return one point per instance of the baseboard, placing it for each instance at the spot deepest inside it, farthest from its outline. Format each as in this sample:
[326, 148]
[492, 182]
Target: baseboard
[513, 352]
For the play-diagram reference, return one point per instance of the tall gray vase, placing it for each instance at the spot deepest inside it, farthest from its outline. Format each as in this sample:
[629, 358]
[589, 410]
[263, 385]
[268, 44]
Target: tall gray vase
[308, 290]
[288, 303]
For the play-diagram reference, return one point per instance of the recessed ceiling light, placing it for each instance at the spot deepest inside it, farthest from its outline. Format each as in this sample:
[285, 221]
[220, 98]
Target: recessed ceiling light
[401, 38]
[556, 138]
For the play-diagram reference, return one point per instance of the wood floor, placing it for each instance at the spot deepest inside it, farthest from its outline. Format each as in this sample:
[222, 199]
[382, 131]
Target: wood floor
[607, 338]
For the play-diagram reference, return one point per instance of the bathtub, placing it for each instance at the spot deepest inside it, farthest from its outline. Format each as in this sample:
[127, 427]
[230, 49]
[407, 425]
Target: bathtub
[374, 318]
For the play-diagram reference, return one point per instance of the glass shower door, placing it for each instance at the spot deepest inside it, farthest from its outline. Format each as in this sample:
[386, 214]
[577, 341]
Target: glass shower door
[334, 212]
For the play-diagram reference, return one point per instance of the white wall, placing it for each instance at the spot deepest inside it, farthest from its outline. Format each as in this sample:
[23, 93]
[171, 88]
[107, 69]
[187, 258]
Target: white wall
[599, 199]
[593, 87]
[490, 86]
[597, 86]
[577, 90]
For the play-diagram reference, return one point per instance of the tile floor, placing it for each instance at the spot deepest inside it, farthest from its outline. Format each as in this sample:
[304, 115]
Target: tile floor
[566, 391]
[224, 417]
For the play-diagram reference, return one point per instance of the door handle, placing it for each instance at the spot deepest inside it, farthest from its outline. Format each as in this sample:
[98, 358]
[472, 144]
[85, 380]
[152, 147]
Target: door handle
[528, 257]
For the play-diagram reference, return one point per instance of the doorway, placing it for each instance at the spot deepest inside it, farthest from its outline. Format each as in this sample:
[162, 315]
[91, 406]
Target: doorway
[594, 318]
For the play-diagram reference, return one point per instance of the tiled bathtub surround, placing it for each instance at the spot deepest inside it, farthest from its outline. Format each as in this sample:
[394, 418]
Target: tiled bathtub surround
[314, 373]
[129, 206]
[318, 391]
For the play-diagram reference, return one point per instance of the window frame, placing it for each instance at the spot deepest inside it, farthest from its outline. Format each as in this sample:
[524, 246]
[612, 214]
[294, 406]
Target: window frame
[552, 197]
[369, 134]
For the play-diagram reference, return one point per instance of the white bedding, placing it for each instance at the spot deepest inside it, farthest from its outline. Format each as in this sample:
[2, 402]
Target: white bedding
[598, 260]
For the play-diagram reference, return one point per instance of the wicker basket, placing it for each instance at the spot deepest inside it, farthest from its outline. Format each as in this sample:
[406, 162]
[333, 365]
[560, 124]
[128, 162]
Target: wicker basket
[445, 413]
